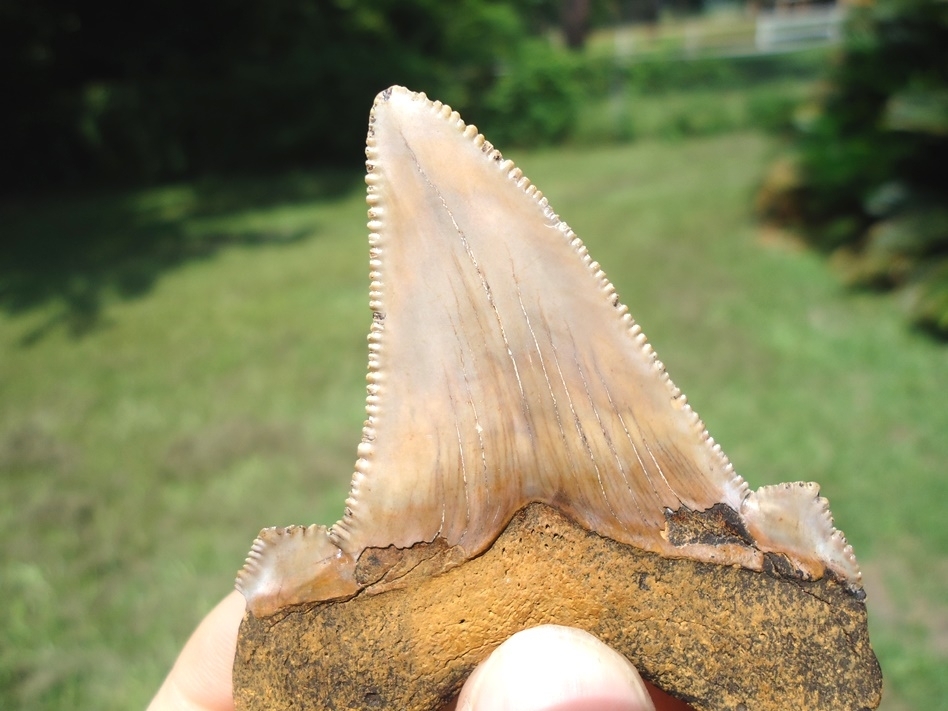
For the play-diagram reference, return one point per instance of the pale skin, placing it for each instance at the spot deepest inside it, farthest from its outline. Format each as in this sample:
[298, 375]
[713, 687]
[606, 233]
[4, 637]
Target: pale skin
[547, 668]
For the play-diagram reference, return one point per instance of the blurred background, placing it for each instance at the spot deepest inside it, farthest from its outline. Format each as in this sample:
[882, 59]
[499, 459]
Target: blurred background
[183, 278]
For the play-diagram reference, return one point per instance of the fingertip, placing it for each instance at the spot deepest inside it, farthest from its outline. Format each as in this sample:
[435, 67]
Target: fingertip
[553, 668]
[202, 676]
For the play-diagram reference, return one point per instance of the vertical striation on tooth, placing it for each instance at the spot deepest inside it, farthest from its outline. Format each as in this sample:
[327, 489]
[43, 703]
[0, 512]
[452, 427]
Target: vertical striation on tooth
[503, 370]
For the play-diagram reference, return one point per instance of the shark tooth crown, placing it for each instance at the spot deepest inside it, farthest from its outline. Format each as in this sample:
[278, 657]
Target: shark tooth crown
[503, 370]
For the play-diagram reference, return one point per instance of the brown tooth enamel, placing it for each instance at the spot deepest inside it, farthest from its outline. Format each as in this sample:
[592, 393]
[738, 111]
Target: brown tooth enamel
[504, 372]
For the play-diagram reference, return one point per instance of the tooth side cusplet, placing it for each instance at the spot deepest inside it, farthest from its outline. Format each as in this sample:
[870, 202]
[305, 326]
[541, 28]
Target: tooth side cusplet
[294, 565]
[795, 521]
[503, 370]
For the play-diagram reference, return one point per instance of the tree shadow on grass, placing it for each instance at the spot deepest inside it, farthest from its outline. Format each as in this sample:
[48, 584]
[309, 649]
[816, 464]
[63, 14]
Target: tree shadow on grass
[74, 254]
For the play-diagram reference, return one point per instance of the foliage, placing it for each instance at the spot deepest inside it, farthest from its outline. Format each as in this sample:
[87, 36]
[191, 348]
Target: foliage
[675, 114]
[101, 98]
[602, 72]
[179, 89]
[535, 99]
[868, 179]
[663, 73]
[673, 98]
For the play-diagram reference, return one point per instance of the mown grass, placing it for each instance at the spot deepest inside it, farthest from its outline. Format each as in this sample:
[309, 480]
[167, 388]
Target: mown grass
[144, 442]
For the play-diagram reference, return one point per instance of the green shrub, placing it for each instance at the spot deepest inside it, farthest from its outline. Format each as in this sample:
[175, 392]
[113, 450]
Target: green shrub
[772, 109]
[535, 98]
[252, 87]
[659, 74]
[680, 113]
[871, 157]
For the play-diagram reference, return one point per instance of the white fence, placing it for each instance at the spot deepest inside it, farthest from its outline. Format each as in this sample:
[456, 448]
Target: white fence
[797, 27]
[784, 29]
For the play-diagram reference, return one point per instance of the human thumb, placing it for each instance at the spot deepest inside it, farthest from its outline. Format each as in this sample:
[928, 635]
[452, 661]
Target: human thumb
[553, 668]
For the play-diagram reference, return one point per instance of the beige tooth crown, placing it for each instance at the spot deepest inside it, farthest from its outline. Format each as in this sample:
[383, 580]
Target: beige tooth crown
[503, 371]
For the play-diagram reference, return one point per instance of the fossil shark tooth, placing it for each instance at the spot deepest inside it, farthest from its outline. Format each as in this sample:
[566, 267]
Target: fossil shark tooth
[502, 371]
[526, 459]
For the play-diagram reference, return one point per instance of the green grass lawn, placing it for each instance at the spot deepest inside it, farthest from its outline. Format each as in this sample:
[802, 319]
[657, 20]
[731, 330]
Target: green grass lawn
[194, 370]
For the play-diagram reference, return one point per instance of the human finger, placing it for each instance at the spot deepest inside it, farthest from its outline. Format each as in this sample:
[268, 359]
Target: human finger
[202, 677]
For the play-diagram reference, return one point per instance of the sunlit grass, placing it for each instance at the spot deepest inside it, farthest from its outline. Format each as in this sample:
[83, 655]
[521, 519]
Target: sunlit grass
[141, 454]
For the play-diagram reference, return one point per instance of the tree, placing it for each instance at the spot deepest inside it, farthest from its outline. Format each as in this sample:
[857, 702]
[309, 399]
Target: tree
[869, 183]
[575, 19]
[167, 88]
